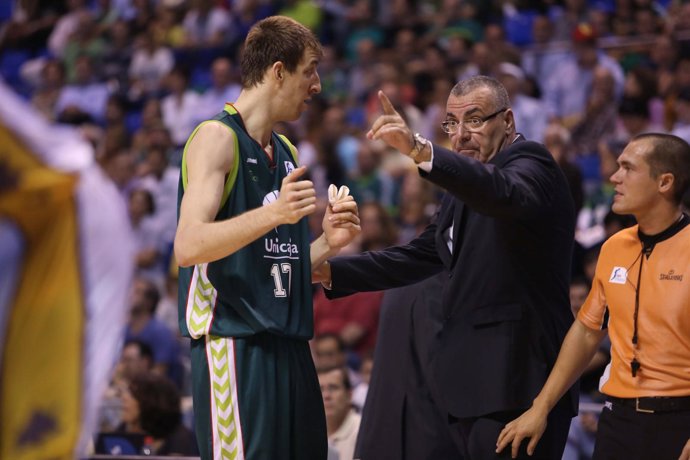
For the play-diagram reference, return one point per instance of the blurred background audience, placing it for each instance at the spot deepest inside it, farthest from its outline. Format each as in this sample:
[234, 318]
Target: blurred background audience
[137, 76]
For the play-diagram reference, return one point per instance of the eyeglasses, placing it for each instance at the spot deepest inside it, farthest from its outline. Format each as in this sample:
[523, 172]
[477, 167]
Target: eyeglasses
[473, 124]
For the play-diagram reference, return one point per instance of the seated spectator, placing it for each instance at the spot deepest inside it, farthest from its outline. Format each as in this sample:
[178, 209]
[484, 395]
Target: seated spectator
[150, 63]
[143, 326]
[378, 228]
[545, 54]
[329, 351]
[354, 319]
[85, 99]
[634, 118]
[49, 87]
[161, 180]
[85, 41]
[368, 181]
[224, 88]
[151, 406]
[206, 25]
[136, 358]
[598, 121]
[151, 247]
[118, 165]
[342, 422]
[359, 393]
[530, 113]
[118, 56]
[65, 26]
[180, 106]
[681, 127]
[566, 90]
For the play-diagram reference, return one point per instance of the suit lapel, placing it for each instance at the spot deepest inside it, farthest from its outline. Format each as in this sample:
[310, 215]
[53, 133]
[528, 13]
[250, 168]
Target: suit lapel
[445, 219]
[459, 219]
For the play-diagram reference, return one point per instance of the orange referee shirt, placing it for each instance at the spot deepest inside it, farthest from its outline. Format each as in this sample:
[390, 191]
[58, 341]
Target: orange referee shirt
[663, 322]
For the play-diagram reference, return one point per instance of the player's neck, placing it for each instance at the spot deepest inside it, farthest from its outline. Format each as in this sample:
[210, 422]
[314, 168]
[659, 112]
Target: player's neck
[255, 112]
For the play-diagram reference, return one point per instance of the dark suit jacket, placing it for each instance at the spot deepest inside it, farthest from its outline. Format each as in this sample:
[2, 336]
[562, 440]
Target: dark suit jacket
[506, 308]
[400, 419]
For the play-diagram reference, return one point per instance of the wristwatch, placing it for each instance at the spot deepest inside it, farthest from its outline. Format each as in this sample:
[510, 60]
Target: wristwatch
[419, 144]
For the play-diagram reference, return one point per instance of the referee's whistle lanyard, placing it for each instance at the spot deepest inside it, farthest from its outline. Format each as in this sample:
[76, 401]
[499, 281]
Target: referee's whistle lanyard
[635, 364]
[648, 243]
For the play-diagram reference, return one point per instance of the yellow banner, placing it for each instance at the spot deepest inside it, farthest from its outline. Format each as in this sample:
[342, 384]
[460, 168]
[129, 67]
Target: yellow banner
[40, 371]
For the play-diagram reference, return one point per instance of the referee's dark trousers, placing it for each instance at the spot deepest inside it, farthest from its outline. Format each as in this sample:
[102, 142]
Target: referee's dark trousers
[643, 429]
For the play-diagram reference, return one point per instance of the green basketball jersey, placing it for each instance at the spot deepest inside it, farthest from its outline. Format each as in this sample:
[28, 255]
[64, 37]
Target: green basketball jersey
[265, 286]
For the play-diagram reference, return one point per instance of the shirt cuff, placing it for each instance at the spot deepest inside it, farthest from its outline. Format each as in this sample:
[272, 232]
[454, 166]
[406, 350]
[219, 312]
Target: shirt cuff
[426, 165]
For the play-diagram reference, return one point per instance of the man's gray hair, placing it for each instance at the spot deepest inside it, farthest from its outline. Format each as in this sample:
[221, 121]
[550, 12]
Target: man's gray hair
[500, 95]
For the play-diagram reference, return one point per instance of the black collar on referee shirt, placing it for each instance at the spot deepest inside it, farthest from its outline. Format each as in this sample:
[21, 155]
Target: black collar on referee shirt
[649, 241]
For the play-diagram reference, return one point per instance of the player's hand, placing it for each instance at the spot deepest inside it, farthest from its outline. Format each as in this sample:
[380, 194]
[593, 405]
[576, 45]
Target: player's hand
[531, 425]
[391, 128]
[685, 455]
[297, 197]
[341, 221]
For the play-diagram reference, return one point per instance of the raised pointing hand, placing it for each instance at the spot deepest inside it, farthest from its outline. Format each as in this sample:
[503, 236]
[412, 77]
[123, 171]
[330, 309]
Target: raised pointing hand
[391, 128]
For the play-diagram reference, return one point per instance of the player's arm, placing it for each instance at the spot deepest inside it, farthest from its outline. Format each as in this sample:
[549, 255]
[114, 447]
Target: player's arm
[340, 226]
[199, 238]
[577, 350]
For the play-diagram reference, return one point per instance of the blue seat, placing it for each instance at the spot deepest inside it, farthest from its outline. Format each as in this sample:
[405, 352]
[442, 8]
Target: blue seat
[133, 121]
[5, 11]
[10, 63]
[200, 78]
[518, 28]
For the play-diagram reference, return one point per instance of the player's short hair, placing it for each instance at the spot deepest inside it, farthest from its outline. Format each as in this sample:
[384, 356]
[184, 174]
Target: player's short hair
[276, 38]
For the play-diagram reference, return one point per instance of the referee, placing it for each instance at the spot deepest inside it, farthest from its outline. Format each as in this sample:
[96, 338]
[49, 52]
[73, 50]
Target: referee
[641, 296]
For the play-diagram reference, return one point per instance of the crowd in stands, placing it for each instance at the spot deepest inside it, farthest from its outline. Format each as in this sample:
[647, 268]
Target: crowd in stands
[137, 76]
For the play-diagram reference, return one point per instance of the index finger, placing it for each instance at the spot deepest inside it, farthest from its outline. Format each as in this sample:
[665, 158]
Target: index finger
[295, 174]
[503, 439]
[386, 104]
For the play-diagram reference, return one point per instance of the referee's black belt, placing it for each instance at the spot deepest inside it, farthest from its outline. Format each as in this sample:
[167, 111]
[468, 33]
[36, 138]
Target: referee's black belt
[654, 404]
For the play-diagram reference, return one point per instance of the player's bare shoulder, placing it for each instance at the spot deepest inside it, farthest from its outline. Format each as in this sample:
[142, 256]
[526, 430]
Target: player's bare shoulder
[213, 144]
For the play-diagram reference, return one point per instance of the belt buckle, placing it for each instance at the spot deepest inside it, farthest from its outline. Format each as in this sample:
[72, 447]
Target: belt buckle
[638, 409]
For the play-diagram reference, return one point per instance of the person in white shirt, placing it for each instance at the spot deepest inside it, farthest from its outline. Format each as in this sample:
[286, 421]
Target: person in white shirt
[342, 422]
[224, 88]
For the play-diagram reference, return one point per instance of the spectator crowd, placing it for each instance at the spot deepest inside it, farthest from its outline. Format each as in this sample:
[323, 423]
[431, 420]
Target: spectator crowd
[137, 76]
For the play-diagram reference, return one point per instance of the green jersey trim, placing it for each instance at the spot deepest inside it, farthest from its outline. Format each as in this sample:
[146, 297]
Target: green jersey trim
[293, 149]
[232, 174]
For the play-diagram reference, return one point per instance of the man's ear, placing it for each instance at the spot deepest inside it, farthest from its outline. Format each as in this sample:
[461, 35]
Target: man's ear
[278, 70]
[510, 121]
[666, 181]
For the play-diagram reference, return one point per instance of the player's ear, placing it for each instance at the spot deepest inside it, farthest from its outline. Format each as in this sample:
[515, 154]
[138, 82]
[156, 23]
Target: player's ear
[278, 70]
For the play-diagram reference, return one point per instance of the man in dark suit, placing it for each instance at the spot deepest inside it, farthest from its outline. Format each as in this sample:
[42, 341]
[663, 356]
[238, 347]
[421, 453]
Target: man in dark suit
[401, 420]
[504, 232]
